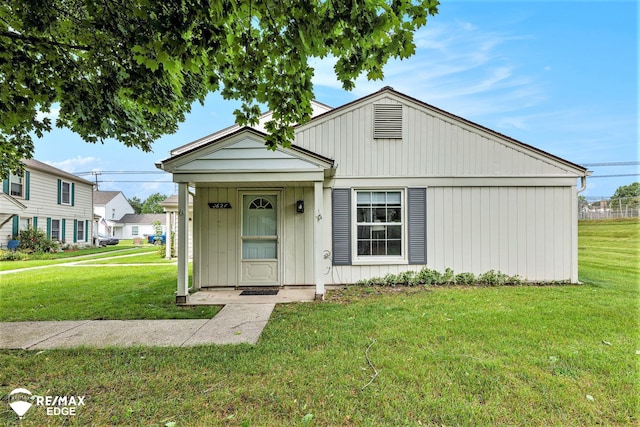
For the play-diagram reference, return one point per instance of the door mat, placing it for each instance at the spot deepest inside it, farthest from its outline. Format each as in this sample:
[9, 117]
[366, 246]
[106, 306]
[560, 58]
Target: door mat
[259, 292]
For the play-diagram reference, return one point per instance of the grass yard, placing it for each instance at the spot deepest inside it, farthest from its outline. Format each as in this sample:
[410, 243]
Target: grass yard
[557, 355]
[37, 260]
[89, 292]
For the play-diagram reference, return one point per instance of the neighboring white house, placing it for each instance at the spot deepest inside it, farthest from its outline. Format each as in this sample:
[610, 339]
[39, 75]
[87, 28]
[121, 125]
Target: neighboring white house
[140, 225]
[384, 184]
[110, 206]
[50, 199]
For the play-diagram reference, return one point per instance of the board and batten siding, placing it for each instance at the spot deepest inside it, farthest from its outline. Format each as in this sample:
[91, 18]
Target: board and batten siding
[515, 230]
[432, 145]
[217, 254]
[43, 204]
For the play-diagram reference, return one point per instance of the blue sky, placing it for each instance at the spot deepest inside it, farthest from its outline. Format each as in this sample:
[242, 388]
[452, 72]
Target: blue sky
[558, 75]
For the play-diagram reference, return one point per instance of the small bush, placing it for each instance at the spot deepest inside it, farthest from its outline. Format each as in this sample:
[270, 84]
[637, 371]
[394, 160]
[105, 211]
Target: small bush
[429, 277]
[465, 279]
[35, 240]
[493, 278]
[13, 256]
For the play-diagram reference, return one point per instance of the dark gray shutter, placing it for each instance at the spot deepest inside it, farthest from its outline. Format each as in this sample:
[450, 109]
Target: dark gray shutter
[417, 232]
[341, 225]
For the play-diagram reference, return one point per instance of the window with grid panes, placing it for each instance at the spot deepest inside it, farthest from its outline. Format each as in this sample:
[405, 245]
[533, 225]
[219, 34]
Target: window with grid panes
[379, 223]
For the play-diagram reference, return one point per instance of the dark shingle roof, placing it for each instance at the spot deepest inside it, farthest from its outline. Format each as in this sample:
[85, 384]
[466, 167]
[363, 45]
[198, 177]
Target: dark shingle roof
[104, 197]
[35, 164]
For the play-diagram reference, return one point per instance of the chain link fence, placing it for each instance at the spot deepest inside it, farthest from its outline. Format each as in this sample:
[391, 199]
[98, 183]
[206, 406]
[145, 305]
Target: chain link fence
[603, 208]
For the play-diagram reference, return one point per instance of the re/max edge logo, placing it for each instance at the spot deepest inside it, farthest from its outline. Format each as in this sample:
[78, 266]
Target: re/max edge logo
[21, 400]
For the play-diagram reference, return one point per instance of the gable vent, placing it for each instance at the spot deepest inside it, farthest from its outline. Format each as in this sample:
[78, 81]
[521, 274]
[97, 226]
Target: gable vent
[387, 121]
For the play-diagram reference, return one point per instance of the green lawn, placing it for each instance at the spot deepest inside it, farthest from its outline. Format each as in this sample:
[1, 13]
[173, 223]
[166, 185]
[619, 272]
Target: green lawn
[37, 260]
[524, 355]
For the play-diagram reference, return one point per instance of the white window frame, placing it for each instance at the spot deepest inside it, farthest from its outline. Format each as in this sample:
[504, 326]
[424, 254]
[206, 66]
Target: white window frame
[24, 223]
[59, 229]
[135, 230]
[62, 184]
[379, 259]
[16, 180]
[79, 229]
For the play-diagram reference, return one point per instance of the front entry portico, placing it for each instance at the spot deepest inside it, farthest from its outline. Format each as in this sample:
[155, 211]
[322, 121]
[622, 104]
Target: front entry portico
[257, 214]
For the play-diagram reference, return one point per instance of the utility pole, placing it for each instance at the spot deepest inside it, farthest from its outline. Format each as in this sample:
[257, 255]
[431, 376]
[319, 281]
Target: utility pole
[95, 173]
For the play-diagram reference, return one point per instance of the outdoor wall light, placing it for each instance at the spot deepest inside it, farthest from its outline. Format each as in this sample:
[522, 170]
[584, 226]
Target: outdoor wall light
[300, 206]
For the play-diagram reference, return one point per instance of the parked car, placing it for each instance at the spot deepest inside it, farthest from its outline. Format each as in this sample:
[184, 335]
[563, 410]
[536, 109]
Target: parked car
[157, 240]
[103, 240]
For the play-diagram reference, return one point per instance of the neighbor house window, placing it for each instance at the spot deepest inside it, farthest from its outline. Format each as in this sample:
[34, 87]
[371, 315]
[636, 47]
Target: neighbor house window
[55, 229]
[24, 223]
[16, 185]
[134, 230]
[379, 223]
[65, 193]
[80, 235]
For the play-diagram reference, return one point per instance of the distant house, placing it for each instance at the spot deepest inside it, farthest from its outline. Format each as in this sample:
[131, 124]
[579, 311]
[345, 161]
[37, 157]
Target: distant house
[110, 206]
[50, 199]
[384, 184]
[170, 206]
[139, 225]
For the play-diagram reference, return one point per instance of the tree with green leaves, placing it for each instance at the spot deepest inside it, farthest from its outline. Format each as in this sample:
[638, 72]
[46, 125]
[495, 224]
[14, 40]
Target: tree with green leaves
[626, 196]
[136, 204]
[152, 204]
[131, 69]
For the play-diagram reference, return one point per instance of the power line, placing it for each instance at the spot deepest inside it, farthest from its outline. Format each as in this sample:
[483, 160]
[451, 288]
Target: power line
[614, 176]
[136, 181]
[120, 172]
[612, 164]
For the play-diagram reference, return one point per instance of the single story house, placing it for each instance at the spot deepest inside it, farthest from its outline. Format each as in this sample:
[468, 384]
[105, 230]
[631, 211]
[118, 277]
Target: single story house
[133, 226]
[383, 184]
[50, 199]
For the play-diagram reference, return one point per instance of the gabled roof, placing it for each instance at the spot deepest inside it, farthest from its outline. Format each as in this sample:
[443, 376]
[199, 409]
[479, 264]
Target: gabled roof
[390, 90]
[172, 201]
[142, 219]
[299, 151]
[104, 197]
[37, 165]
[318, 108]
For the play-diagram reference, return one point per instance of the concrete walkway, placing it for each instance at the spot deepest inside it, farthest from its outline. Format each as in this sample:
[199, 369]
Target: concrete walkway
[241, 320]
[236, 323]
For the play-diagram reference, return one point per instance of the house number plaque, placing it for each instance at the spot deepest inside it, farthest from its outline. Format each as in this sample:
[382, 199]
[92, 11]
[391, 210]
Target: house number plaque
[219, 205]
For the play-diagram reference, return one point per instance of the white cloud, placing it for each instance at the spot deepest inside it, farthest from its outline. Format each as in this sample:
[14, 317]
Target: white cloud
[458, 67]
[75, 164]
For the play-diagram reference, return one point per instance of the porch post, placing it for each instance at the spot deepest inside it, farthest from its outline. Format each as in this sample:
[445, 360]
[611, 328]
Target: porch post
[183, 245]
[318, 205]
[167, 232]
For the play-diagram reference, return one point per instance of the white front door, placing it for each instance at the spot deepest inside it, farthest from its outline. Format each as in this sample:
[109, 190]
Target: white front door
[260, 240]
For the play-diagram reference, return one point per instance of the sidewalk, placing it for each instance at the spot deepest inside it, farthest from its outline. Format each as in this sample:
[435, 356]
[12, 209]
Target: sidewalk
[241, 320]
[236, 323]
